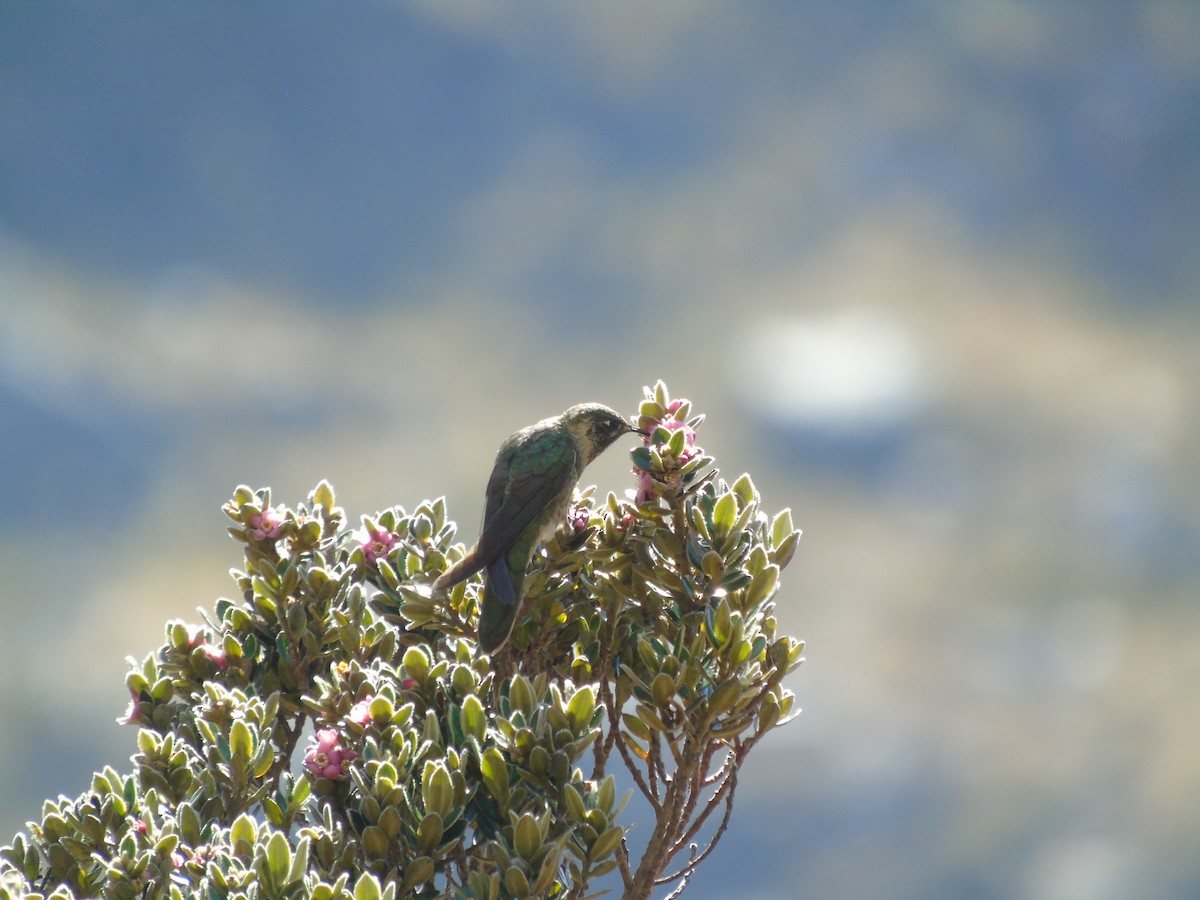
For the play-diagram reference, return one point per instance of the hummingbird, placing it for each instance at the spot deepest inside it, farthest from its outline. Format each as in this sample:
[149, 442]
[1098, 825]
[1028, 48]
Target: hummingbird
[527, 497]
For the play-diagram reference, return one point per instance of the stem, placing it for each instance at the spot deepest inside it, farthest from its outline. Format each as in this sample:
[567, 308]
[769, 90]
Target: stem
[668, 824]
[614, 724]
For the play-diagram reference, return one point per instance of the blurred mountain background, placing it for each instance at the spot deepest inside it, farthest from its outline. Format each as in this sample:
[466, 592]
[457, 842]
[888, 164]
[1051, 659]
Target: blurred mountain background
[931, 270]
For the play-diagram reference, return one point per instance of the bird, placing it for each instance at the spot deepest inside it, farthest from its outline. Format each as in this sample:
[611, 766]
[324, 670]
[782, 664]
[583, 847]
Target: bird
[527, 497]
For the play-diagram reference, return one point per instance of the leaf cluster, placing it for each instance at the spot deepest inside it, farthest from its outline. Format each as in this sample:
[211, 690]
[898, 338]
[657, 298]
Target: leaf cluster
[648, 642]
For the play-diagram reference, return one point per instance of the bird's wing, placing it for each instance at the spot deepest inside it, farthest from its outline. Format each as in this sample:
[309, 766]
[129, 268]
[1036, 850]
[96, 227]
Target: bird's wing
[521, 486]
[529, 472]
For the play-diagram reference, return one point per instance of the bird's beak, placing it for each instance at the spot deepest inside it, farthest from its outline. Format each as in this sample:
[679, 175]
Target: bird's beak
[642, 431]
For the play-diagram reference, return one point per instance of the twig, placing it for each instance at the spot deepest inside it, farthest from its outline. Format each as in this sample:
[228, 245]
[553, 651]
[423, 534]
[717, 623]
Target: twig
[614, 724]
[686, 872]
[724, 791]
[623, 865]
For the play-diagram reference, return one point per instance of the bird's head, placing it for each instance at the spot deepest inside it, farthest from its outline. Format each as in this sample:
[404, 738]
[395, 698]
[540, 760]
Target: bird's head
[595, 426]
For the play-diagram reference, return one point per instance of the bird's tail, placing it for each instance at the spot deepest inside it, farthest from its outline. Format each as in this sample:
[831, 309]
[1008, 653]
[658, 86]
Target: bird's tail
[460, 571]
[499, 605]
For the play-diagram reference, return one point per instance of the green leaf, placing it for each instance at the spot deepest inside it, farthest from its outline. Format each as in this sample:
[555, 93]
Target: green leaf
[189, 823]
[574, 803]
[520, 695]
[416, 664]
[242, 829]
[147, 741]
[725, 513]
[241, 742]
[781, 527]
[527, 837]
[761, 587]
[301, 791]
[272, 812]
[474, 719]
[744, 488]
[429, 832]
[323, 497]
[299, 861]
[607, 795]
[516, 882]
[726, 694]
[652, 409]
[662, 689]
[437, 789]
[636, 726]
[660, 393]
[417, 872]
[367, 888]
[495, 774]
[718, 622]
[713, 565]
[374, 843]
[279, 857]
[581, 708]
[381, 709]
[675, 442]
[263, 760]
[784, 551]
[605, 844]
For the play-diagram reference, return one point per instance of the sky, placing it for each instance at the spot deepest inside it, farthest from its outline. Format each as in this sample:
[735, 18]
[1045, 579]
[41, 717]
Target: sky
[929, 269]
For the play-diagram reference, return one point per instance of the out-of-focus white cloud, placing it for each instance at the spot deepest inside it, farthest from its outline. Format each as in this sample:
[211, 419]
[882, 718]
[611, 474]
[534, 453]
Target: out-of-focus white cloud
[848, 370]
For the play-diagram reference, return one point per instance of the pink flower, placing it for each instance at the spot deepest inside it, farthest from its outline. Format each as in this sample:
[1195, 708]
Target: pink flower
[266, 524]
[376, 542]
[360, 712]
[645, 491]
[133, 715]
[579, 516]
[216, 655]
[648, 485]
[325, 757]
[200, 857]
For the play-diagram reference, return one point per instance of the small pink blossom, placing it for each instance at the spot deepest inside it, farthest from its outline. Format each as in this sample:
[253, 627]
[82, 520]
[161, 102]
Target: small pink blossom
[407, 684]
[579, 516]
[133, 715]
[200, 857]
[266, 525]
[325, 757]
[360, 712]
[376, 542]
[216, 655]
[649, 485]
[645, 491]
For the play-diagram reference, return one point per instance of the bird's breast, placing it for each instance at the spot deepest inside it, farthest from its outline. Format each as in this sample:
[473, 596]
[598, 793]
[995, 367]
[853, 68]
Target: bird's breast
[556, 513]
